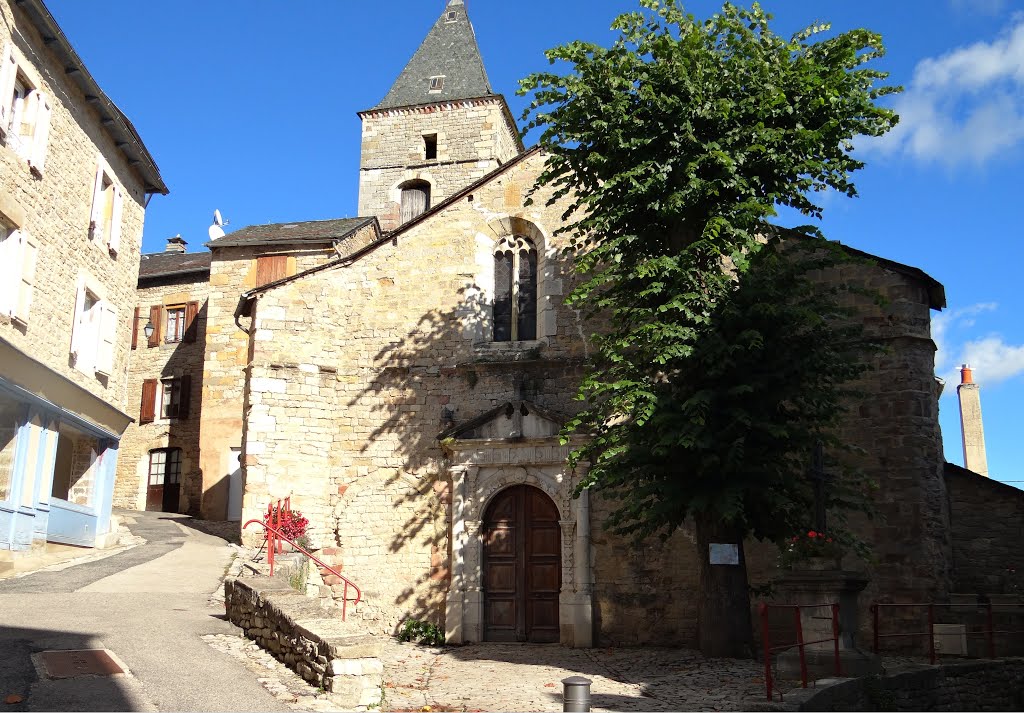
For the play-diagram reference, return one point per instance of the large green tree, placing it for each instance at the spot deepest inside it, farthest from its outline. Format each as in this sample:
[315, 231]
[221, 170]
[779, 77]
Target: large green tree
[719, 364]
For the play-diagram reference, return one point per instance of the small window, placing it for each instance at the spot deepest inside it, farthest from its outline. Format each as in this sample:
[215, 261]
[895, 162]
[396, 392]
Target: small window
[436, 84]
[24, 113]
[107, 209]
[165, 398]
[415, 199]
[170, 398]
[515, 290]
[175, 331]
[452, 16]
[430, 147]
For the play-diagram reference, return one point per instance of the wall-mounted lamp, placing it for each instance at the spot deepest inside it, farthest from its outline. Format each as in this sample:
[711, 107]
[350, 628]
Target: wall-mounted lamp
[148, 329]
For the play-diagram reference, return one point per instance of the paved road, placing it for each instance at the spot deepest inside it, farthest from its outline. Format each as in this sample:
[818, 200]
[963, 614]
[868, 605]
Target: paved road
[148, 605]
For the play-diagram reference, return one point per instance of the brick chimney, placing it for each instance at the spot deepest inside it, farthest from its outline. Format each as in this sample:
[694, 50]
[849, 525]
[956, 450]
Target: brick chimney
[175, 245]
[970, 422]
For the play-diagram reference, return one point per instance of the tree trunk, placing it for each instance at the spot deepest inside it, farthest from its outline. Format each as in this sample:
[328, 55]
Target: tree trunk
[723, 614]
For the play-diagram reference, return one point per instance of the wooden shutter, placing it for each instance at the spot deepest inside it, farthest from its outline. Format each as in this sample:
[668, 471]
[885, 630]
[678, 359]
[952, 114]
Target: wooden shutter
[527, 322]
[78, 325]
[271, 268]
[135, 328]
[96, 219]
[185, 397]
[115, 221]
[415, 201]
[154, 319]
[9, 255]
[147, 412]
[29, 250]
[8, 76]
[191, 321]
[503, 296]
[108, 337]
[40, 132]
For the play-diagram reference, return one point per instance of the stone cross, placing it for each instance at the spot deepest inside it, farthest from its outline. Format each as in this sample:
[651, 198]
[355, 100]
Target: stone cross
[820, 478]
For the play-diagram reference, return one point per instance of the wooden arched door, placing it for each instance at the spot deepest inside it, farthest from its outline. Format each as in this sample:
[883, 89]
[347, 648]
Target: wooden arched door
[522, 567]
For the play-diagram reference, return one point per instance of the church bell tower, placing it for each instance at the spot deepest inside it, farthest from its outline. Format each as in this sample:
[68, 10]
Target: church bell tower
[439, 128]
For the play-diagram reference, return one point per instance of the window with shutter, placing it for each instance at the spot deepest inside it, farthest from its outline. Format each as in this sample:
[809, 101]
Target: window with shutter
[515, 290]
[24, 113]
[175, 330]
[415, 199]
[94, 331]
[147, 411]
[107, 208]
[271, 268]
[191, 321]
[135, 328]
[107, 339]
[10, 247]
[8, 76]
[29, 251]
[157, 322]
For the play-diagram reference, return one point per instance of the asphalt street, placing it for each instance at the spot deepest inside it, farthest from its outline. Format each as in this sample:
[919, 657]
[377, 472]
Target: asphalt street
[149, 606]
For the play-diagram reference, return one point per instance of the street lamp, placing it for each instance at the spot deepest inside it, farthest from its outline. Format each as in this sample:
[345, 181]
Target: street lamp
[148, 329]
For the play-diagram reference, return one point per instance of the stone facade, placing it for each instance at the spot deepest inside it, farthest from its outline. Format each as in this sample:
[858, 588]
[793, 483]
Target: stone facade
[74, 182]
[474, 137]
[167, 358]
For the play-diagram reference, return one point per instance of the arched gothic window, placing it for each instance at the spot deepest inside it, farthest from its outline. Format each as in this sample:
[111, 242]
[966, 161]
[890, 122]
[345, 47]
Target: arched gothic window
[515, 289]
[415, 199]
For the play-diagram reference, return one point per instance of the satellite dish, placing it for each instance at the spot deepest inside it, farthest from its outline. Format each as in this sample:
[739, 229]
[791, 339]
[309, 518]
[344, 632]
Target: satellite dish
[216, 232]
[217, 220]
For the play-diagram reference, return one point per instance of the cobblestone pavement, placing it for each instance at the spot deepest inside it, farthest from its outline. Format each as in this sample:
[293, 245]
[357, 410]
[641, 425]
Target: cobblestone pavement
[512, 677]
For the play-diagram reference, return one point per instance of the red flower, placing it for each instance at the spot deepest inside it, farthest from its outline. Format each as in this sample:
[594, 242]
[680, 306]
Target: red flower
[828, 539]
[812, 534]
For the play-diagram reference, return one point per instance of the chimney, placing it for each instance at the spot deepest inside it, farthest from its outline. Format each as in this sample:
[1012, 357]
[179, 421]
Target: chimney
[175, 245]
[970, 422]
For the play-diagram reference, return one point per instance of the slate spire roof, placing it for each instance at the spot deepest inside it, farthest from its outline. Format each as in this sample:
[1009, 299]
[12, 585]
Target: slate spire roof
[446, 67]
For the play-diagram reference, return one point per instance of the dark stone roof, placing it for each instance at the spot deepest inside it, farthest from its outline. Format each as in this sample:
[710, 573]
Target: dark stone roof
[450, 51]
[310, 231]
[172, 263]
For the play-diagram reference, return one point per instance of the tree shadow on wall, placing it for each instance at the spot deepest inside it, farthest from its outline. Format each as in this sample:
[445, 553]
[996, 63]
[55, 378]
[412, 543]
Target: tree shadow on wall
[442, 372]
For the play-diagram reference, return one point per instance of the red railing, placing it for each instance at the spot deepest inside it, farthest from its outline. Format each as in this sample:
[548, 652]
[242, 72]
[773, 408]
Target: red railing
[799, 644]
[987, 629]
[274, 538]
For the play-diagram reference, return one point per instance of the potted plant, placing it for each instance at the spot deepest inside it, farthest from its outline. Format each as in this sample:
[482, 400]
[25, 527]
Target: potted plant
[811, 550]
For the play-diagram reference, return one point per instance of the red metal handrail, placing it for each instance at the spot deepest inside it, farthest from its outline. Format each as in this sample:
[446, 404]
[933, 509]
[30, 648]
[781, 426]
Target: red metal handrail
[273, 533]
[800, 644]
[988, 631]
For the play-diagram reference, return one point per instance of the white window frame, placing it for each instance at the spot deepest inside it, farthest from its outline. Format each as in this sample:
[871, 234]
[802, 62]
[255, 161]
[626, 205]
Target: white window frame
[25, 112]
[167, 386]
[106, 193]
[18, 256]
[94, 330]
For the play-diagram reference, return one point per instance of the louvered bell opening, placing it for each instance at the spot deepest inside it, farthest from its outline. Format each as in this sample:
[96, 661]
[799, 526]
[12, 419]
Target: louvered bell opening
[415, 200]
[503, 296]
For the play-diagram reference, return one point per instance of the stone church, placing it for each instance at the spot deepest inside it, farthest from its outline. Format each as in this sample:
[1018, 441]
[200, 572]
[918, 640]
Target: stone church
[403, 376]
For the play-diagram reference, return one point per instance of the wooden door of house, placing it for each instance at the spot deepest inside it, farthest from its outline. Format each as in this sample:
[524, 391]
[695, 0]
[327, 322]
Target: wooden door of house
[163, 489]
[522, 568]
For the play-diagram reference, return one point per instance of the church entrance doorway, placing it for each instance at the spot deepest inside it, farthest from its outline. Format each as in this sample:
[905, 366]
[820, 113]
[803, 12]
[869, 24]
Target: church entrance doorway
[522, 566]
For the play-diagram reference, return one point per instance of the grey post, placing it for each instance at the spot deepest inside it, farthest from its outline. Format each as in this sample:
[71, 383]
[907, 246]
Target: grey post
[576, 694]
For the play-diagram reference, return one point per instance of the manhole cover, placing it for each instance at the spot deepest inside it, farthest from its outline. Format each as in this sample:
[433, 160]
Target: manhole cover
[88, 662]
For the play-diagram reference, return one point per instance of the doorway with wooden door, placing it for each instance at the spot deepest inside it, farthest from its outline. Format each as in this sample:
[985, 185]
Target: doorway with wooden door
[163, 489]
[522, 567]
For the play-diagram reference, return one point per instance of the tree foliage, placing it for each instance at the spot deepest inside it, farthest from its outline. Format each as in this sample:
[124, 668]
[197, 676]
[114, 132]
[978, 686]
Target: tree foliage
[721, 363]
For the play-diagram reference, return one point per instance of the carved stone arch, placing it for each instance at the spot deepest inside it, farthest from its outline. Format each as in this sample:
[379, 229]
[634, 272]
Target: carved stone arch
[520, 475]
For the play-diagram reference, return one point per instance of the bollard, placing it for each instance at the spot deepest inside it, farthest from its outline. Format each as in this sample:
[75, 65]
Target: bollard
[576, 694]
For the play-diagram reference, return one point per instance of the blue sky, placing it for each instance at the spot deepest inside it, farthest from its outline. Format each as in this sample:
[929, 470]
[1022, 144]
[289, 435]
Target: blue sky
[251, 108]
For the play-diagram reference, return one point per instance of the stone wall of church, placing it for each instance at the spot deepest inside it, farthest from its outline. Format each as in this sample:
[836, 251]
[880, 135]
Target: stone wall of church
[165, 359]
[474, 137]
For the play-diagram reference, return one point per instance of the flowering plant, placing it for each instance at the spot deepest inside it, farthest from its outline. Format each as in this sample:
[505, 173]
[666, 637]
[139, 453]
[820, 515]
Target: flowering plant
[802, 547]
[293, 524]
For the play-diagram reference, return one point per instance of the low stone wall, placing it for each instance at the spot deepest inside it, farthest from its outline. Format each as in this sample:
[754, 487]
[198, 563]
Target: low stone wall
[311, 640]
[971, 686]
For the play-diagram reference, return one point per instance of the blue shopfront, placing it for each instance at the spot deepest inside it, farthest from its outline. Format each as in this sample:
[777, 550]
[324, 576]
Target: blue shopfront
[56, 464]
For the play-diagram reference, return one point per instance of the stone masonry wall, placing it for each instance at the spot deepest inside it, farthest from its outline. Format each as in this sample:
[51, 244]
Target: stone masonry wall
[403, 352]
[987, 519]
[232, 272]
[166, 359]
[55, 209]
[474, 137]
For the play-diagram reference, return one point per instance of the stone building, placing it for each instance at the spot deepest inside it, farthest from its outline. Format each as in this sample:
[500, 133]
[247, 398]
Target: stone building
[403, 377]
[74, 181]
[159, 462]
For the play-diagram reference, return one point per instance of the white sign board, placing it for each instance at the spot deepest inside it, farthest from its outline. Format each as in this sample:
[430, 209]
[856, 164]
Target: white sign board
[724, 554]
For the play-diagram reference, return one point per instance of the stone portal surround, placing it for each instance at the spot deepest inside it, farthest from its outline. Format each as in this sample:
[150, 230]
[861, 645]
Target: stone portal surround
[480, 470]
[296, 630]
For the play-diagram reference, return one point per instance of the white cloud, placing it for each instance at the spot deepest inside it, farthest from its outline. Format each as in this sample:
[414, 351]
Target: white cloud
[991, 357]
[985, 7]
[993, 360]
[945, 322]
[965, 106]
